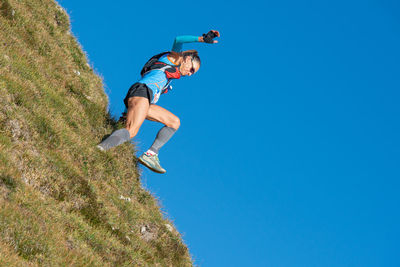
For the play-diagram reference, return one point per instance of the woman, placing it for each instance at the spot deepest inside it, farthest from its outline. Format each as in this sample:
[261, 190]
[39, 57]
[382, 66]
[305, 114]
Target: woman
[142, 97]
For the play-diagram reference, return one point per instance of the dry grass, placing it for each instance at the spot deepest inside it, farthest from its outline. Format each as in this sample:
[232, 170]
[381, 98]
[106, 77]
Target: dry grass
[62, 202]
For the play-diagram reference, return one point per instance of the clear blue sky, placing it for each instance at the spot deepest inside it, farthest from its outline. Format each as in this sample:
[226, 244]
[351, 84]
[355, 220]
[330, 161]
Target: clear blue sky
[288, 152]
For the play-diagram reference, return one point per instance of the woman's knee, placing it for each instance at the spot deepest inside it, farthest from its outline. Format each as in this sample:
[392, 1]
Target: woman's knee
[132, 127]
[175, 123]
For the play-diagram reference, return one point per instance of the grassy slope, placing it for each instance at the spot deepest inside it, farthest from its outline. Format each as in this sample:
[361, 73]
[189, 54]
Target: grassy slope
[62, 202]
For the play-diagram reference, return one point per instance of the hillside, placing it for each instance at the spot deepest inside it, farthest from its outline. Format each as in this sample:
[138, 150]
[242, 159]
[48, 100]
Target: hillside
[63, 202]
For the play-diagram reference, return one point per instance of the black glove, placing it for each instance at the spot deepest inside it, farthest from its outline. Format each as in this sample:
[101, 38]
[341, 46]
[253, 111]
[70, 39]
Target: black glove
[208, 38]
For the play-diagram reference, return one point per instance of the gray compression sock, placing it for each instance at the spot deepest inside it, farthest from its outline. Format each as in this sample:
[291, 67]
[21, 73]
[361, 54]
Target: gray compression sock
[115, 139]
[162, 137]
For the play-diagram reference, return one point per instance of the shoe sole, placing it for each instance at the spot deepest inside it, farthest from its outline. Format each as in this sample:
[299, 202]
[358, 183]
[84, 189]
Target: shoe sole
[148, 166]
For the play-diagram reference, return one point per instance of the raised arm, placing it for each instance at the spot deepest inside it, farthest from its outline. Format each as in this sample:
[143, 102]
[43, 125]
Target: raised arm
[180, 40]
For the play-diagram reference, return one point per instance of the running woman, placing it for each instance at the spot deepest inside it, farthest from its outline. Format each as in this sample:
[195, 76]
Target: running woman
[142, 97]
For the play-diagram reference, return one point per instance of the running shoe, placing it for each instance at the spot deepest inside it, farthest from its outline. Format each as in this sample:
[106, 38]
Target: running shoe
[152, 162]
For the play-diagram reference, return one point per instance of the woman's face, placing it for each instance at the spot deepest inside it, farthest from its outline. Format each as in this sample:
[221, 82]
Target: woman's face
[189, 67]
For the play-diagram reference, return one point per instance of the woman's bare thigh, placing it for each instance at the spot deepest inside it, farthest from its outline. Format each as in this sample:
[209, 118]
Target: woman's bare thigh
[138, 108]
[159, 114]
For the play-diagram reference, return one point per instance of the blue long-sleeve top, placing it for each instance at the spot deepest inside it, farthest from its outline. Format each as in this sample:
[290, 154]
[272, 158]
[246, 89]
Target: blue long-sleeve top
[177, 46]
[156, 79]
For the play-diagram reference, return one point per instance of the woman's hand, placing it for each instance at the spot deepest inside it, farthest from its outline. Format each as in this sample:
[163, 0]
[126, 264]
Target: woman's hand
[208, 38]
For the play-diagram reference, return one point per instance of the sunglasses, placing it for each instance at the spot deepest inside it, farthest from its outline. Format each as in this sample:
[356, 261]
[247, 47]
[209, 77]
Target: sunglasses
[192, 70]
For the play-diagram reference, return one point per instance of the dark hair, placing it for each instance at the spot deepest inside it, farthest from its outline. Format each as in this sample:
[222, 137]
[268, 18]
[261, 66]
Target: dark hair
[188, 53]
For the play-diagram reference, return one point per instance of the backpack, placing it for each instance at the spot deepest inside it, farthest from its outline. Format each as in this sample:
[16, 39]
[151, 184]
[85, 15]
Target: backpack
[153, 63]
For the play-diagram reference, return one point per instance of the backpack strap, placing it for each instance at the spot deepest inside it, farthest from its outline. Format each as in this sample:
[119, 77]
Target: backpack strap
[170, 71]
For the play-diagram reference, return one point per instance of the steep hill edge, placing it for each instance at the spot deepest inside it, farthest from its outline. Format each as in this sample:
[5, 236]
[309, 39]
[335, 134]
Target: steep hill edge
[63, 202]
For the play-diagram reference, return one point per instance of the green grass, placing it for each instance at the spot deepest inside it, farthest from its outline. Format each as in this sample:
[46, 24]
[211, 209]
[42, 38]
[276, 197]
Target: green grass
[63, 202]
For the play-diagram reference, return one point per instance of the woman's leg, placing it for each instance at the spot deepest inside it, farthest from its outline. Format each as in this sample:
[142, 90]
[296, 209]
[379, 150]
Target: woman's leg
[138, 108]
[171, 122]
[137, 111]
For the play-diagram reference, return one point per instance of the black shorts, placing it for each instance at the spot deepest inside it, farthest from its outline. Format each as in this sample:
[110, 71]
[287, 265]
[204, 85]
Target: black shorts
[139, 89]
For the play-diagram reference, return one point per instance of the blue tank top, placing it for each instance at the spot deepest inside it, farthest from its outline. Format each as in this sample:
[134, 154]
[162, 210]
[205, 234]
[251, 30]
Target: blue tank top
[156, 80]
